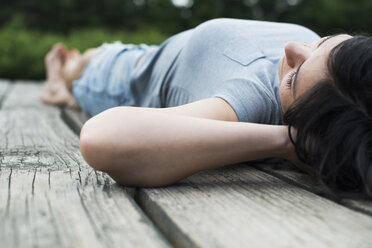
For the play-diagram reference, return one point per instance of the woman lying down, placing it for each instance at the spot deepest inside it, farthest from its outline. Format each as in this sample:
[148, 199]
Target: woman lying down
[225, 92]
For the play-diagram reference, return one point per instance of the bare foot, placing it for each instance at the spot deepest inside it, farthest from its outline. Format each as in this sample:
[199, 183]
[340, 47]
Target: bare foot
[55, 90]
[55, 60]
[58, 94]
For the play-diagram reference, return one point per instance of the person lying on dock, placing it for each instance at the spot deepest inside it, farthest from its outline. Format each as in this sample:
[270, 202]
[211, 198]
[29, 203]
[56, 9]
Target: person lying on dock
[225, 92]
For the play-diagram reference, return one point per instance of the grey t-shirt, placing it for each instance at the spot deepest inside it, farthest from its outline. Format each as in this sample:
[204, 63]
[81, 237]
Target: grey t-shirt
[236, 60]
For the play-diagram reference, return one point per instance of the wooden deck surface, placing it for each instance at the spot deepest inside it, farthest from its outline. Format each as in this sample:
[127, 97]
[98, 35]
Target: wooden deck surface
[49, 196]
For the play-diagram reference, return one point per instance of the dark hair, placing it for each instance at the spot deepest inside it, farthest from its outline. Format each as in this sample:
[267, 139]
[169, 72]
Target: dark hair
[334, 121]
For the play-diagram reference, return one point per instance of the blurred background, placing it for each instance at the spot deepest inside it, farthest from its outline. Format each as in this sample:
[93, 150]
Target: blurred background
[29, 28]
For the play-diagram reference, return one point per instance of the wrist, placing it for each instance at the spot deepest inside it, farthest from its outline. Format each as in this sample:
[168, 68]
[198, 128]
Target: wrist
[285, 147]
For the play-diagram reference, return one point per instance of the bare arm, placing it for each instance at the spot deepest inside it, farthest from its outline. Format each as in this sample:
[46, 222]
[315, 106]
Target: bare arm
[153, 147]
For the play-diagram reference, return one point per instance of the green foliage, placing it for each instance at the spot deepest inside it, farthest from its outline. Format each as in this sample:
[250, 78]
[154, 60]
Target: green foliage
[332, 16]
[22, 50]
[28, 29]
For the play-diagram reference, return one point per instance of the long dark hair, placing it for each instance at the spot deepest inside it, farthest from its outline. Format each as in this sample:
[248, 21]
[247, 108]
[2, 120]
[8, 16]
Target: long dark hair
[334, 121]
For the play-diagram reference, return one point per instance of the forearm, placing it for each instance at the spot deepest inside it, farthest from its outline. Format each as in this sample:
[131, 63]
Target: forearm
[167, 147]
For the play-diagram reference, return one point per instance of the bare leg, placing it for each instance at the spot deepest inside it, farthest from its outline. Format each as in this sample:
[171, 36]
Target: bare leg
[63, 67]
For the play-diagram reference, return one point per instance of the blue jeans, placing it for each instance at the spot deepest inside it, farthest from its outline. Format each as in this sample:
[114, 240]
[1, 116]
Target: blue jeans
[105, 81]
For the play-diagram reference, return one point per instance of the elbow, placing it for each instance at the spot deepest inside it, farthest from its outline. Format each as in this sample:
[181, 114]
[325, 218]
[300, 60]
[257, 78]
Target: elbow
[109, 145]
[91, 149]
[109, 142]
[99, 144]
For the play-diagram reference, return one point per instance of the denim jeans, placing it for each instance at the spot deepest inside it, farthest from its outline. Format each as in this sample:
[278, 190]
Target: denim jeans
[105, 81]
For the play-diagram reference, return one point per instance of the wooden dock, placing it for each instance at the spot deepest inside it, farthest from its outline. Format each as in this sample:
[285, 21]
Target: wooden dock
[49, 196]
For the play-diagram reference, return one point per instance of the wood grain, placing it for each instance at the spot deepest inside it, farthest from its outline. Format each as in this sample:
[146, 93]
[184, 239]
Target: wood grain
[26, 94]
[49, 197]
[237, 206]
[298, 178]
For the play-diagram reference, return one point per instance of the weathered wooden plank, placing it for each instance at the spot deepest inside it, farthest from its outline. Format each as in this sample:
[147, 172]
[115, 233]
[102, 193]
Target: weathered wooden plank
[32, 220]
[65, 209]
[237, 205]
[30, 137]
[25, 94]
[49, 197]
[309, 183]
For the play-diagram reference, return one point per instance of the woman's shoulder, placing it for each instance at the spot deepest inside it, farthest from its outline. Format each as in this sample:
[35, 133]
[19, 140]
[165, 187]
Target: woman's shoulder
[254, 28]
